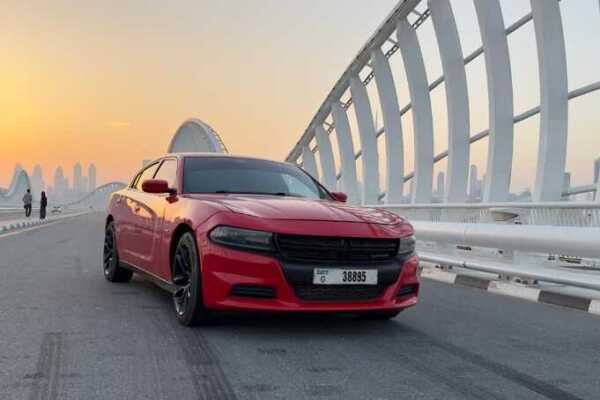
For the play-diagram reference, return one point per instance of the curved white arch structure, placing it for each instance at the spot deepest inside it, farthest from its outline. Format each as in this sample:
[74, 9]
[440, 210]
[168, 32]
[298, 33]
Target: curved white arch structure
[398, 34]
[195, 135]
[98, 199]
[14, 194]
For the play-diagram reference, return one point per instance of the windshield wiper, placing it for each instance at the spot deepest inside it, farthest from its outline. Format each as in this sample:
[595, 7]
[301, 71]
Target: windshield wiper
[283, 194]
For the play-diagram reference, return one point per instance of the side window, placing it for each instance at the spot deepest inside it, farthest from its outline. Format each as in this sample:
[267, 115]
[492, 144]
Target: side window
[168, 172]
[146, 174]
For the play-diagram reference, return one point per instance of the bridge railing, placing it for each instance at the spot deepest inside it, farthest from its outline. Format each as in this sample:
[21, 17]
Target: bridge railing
[562, 255]
[573, 214]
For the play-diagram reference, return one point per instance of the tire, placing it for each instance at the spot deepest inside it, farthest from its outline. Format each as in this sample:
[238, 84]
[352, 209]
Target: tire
[187, 277]
[380, 315]
[113, 272]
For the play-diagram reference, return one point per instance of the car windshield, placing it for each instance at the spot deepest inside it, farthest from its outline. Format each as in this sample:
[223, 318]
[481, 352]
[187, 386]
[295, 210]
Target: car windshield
[248, 176]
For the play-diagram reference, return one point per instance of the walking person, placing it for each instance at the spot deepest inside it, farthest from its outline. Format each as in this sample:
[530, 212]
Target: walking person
[27, 199]
[43, 205]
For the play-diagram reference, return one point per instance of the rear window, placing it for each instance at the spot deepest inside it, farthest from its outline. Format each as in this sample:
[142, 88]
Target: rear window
[248, 176]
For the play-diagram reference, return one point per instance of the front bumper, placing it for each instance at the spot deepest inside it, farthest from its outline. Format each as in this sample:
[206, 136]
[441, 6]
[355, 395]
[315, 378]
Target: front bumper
[224, 268]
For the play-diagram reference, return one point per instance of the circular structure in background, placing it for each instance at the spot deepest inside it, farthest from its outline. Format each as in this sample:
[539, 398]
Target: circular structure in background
[196, 136]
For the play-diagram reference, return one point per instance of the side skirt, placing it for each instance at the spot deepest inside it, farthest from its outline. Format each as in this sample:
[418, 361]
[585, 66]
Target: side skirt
[161, 283]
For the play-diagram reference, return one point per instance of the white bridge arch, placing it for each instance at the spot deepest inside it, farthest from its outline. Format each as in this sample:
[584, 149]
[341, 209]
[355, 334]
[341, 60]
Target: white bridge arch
[398, 32]
[196, 135]
[14, 194]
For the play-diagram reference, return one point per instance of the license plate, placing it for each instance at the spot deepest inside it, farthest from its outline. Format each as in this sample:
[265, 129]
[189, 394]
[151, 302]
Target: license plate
[339, 276]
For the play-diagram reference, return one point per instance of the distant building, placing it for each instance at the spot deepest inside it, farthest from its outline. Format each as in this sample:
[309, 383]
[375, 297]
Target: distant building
[566, 181]
[77, 179]
[91, 186]
[37, 181]
[474, 183]
[61, 185]
[441, 182]
[597, 170]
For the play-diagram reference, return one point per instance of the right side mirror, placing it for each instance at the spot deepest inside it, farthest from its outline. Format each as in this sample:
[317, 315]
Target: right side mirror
[339, 196]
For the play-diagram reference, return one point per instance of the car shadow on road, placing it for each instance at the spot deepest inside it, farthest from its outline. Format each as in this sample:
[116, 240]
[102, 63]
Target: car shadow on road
[275, 324]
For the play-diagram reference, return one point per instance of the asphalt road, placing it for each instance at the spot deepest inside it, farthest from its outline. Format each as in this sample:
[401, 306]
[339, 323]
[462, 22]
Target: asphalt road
[66, 333]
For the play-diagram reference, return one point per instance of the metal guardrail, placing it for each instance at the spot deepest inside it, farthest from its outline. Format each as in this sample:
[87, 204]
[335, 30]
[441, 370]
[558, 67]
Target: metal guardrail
[565, 214]
[439, 242]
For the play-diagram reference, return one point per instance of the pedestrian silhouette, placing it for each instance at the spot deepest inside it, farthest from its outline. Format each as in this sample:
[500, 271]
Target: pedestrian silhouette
[43, 205]
[27, 199]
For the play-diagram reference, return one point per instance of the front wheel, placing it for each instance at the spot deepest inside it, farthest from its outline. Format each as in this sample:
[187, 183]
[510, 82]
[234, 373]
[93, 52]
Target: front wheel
[113, 272]
[187, 277]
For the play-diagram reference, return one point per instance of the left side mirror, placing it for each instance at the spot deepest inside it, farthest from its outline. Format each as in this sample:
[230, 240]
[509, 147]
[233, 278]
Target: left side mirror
[155, 186]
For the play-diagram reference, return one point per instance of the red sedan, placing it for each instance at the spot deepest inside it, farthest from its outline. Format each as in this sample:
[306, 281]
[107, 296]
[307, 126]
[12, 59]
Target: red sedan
[244, 234]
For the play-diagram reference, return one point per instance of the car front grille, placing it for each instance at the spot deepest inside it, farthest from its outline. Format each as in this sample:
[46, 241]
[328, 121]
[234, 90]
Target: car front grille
[335, 249]
[311, 292]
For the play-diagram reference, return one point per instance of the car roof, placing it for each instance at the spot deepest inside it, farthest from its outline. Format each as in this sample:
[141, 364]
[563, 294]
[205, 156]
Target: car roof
[217, 155]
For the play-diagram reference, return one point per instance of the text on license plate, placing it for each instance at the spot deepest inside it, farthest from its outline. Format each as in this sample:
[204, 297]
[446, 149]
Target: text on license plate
[339, 276]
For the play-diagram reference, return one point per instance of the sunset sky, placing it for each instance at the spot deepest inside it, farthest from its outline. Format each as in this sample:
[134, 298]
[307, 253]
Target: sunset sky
[110, 81]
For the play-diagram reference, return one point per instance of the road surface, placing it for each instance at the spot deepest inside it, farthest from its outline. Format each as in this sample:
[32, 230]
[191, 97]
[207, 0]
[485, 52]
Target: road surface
[66, 333]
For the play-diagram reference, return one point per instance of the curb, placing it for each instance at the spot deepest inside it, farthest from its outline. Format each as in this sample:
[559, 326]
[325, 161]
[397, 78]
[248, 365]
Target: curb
[589, 305]
[20, 225]
[17, 225]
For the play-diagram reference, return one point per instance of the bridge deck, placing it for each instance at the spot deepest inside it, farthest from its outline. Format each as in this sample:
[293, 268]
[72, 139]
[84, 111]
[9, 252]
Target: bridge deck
[65, 333]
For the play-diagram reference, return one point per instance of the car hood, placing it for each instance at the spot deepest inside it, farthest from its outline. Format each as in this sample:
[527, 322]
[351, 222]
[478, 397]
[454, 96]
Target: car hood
[293, 208]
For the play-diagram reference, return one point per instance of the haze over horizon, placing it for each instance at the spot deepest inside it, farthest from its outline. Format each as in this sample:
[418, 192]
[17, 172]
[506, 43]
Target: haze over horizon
[110, 82]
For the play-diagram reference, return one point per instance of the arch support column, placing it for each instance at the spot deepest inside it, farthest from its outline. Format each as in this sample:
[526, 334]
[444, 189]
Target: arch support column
[346, 149]
[368, 140]
[553, 100]
[309, 163]
[418, 87]
[457, 99]
[500, 99]
[326, 158]
[394, 145]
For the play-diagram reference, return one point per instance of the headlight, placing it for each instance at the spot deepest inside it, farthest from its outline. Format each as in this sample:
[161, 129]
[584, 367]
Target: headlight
[242, 238]
[407, 245]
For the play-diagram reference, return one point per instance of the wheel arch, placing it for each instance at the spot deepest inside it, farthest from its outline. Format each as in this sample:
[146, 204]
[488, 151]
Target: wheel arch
[179, 231]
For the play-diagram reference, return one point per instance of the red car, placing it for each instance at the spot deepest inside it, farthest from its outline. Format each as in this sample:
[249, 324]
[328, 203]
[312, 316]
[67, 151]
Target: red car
[242, 234]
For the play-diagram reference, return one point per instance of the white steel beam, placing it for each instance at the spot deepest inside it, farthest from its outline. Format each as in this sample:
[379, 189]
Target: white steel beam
[500, 100]
[553, 100]
[394, 145]
[416, 76]
[309, 163]
[368, 140]
[457, 99]
[326, 157]
[346, 149]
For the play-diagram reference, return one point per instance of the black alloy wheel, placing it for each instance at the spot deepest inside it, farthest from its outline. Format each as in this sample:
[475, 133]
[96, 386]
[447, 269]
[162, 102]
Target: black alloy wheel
[187, 297]
[113, 272]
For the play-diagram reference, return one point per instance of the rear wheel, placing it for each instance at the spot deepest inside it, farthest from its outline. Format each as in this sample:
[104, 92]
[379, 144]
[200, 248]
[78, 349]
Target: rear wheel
[187, 277]
[112, 271]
